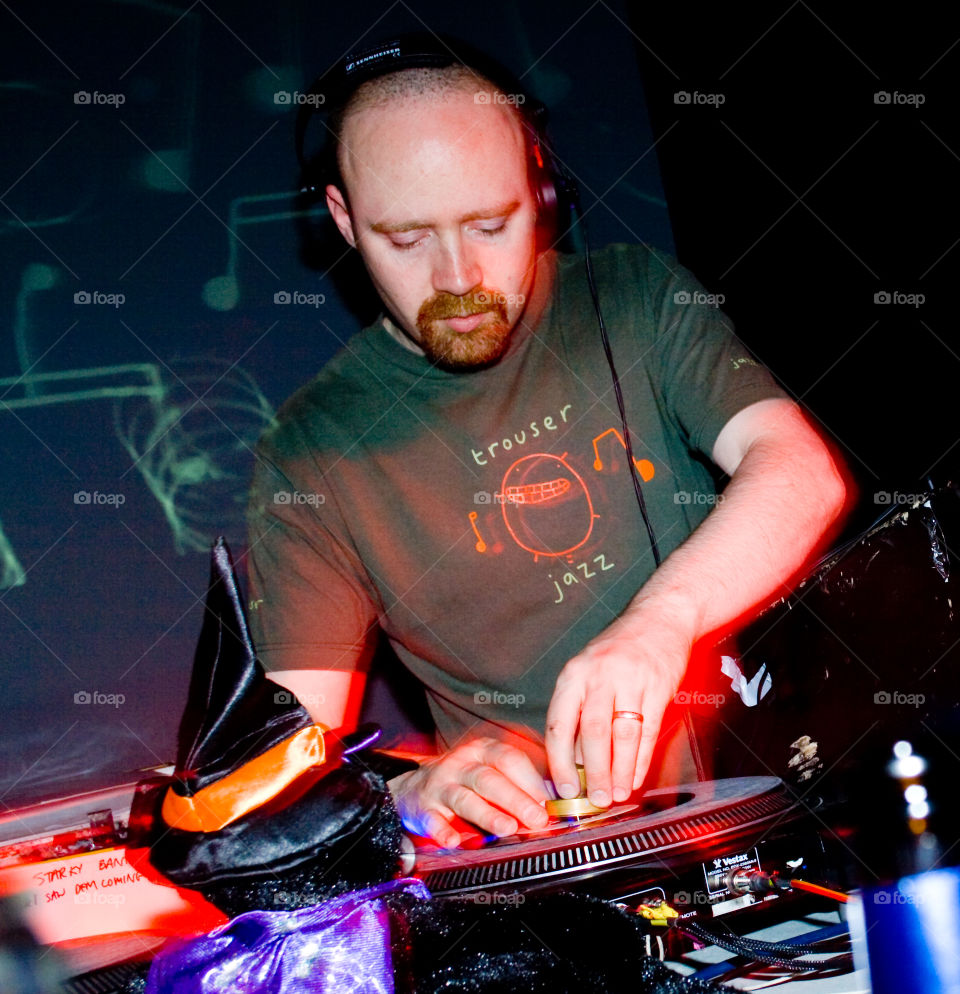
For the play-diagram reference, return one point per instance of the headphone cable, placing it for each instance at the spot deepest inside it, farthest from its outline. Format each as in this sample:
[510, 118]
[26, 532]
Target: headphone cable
[654, 548]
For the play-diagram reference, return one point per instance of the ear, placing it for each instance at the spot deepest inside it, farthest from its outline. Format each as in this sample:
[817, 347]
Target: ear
[337, 205]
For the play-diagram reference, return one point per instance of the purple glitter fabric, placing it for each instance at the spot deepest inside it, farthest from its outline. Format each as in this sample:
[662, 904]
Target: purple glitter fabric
[341, 946]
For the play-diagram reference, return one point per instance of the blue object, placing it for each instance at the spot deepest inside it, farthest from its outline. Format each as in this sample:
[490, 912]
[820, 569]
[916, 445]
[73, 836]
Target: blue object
[909, 932]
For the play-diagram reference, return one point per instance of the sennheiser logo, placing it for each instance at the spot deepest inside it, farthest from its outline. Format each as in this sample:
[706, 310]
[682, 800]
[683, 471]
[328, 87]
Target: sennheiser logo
[372, 57]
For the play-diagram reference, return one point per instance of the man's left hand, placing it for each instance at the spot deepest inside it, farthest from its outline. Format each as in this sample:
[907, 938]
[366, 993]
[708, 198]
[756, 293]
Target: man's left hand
[633, 666]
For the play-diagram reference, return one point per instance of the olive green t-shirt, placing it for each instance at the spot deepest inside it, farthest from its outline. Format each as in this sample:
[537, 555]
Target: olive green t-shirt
[486, 521]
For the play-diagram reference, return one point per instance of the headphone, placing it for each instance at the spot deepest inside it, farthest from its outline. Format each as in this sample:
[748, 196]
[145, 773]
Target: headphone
[554, 187]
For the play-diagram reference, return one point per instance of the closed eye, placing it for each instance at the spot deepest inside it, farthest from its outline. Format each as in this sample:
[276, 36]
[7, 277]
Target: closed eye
[496, 230]
[409, 242]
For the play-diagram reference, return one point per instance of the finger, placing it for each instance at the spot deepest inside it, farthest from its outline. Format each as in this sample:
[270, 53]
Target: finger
[485, 797]
[519, 769]
[435, 826]
[595, 731]
[562, 718]
[651, 730]
[627, 733]
[497, 783]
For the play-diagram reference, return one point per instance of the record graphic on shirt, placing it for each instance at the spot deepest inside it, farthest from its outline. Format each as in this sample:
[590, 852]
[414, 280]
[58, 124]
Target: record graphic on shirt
[546, 504]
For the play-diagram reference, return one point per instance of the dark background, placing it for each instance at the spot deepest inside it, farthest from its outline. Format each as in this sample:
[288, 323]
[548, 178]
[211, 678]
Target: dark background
[802, 196]
[798, 197]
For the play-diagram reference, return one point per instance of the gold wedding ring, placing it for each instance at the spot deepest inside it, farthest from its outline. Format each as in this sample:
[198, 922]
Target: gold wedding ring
[633, 715]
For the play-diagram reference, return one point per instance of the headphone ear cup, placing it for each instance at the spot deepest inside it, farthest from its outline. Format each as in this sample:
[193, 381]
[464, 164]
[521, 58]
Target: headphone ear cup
[543, 186]
[555, 189]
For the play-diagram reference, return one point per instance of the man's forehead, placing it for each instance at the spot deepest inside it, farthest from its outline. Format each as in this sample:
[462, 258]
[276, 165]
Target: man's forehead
[457, 117]
[406, 153]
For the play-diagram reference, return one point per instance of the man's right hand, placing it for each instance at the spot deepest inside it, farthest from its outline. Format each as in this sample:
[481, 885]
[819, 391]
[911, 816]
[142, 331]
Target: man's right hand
[489, 783]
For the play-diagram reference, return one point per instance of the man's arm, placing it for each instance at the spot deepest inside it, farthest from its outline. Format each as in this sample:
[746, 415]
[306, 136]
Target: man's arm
[332, 697]
[784, 494]
[312, 619]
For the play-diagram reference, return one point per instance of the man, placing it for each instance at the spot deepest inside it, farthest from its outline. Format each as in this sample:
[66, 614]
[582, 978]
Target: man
[457, 476]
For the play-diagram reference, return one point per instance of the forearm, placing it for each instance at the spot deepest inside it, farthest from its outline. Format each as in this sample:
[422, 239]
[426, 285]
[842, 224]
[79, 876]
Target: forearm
[784, 495]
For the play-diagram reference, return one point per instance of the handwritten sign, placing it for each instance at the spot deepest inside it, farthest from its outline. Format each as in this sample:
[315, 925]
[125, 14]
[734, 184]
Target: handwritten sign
[101, 893]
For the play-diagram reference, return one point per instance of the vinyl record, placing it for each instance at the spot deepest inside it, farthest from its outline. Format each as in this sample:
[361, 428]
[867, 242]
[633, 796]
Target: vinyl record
[653, 828]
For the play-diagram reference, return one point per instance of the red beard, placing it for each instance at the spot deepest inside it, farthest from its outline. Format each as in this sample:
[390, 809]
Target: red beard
[469, 349]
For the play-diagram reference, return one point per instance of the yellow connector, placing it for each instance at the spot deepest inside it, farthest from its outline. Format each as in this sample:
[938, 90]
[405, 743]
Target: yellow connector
[657, 914]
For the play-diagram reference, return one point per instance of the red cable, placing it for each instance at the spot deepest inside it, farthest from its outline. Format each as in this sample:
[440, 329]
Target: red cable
[817, 889]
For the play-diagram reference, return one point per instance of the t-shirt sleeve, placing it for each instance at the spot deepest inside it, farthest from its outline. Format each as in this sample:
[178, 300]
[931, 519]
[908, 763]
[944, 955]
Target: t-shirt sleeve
[310, 604]
[703, 372]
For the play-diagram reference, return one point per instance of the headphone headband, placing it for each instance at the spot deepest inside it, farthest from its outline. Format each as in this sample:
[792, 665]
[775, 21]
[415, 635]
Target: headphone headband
[423, 51]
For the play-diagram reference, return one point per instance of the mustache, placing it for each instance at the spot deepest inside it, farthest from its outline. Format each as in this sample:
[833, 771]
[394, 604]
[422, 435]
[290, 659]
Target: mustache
[443, 305]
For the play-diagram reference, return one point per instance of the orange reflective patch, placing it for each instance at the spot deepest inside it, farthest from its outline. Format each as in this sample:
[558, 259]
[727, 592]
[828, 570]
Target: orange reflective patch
[256, 782]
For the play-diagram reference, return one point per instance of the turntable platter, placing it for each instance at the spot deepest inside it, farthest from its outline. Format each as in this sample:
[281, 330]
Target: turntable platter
[653, 828]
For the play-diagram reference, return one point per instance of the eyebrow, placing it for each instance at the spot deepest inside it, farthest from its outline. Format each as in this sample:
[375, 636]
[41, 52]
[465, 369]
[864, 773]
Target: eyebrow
[501, 210]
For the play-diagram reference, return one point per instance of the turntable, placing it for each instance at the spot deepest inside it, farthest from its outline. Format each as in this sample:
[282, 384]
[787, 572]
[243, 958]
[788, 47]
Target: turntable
[682, 844]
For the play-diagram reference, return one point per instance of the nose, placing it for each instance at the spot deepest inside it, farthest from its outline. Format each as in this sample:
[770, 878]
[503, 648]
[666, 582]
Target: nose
[456, 269]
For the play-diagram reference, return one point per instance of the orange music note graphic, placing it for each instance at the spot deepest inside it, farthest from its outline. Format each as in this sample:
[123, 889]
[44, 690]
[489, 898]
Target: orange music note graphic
[644, 466]
[481, 545]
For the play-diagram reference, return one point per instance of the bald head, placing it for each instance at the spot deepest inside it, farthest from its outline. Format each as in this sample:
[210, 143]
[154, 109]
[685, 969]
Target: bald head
[422, 87]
